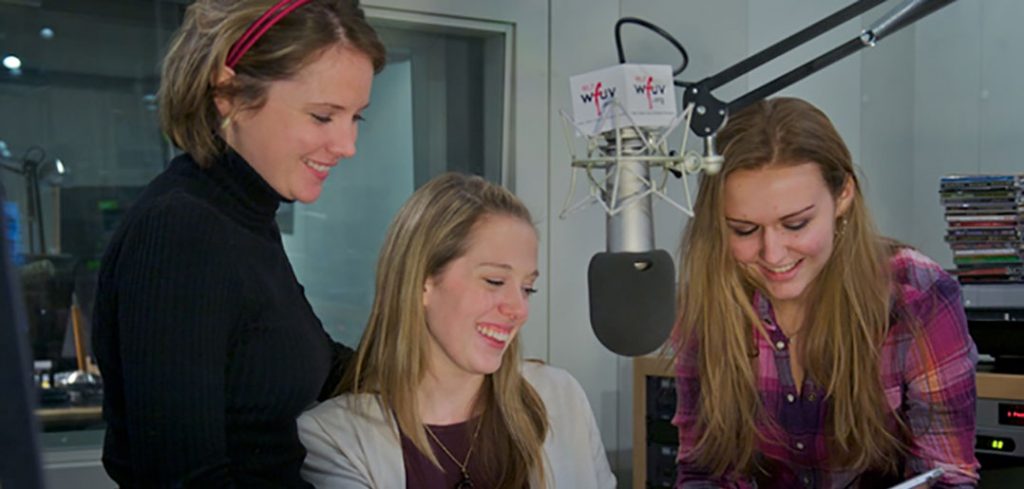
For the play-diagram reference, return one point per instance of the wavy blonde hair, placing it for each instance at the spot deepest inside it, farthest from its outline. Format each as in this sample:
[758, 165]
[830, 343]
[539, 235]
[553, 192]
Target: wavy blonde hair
[843, 331]
[188, 113]
[431, 229]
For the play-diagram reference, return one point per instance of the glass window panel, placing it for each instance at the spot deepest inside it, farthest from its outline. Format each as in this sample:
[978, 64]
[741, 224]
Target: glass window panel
[82, 96]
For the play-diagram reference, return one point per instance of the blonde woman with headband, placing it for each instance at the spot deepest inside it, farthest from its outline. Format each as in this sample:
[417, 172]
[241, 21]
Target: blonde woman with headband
[812, 352]
[207, 345]
[437, 396]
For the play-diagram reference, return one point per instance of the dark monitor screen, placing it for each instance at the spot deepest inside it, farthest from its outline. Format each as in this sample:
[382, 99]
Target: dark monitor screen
[19, 464]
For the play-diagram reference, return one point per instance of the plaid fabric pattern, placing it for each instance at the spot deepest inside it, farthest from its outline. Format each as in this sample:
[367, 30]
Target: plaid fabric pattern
[929, 383]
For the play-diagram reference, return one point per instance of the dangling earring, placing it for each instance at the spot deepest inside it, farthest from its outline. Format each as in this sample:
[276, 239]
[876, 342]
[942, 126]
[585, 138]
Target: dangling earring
[225, 123]
[841, 226]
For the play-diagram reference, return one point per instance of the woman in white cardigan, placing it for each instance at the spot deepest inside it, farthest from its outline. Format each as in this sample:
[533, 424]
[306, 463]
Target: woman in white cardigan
[437, 396]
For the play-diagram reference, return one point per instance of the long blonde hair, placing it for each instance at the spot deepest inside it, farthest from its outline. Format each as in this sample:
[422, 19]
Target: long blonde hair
[843, 331]
[431, 229]
[188, 113]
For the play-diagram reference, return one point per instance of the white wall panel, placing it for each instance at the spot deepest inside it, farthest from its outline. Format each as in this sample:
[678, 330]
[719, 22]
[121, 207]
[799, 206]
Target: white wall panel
[887, 118]
[1001, 98]
[946, 115]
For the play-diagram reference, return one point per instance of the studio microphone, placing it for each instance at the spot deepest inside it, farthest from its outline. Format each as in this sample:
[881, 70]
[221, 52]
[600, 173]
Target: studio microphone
[625, 111]
[625, 114]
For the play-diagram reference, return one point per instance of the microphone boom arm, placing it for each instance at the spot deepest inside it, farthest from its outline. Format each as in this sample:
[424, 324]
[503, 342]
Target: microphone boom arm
[711, 113]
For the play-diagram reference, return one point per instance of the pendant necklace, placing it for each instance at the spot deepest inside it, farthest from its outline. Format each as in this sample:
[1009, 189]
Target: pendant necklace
[464, 482]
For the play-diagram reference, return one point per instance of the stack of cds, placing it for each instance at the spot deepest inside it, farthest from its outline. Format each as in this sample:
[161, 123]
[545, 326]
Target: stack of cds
[985, 226]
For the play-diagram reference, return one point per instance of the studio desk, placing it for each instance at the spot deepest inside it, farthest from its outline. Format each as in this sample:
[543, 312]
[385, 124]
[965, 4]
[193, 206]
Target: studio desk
[655, 440]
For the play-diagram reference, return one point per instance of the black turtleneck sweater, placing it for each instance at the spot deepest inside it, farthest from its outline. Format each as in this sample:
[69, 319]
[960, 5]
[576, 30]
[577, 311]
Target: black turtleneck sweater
[207, 345]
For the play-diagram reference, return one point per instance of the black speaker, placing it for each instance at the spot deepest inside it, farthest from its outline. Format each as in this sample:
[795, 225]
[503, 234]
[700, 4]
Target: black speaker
[19, 444]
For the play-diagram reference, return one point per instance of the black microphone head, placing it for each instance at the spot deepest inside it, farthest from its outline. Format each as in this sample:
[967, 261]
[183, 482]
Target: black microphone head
[632, 300]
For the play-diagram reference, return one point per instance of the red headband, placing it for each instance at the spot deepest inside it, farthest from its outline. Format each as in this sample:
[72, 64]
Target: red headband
[258, 28]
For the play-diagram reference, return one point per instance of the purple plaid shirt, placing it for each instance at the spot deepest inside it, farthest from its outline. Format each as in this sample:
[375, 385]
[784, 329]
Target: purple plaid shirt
[930, 383]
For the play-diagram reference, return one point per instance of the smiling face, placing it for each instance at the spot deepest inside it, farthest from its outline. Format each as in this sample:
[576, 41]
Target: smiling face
[781, 221]
[477, 303]
[307, 125]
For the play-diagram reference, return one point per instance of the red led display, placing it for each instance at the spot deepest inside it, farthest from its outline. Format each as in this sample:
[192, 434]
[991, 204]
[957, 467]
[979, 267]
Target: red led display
[1011, 414]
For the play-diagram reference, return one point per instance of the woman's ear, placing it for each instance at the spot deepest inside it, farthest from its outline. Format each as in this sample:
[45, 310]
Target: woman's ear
[845, 198]
[224, 104]
[428, 287]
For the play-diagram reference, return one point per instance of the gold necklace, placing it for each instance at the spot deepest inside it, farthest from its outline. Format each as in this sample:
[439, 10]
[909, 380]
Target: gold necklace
[464, 482]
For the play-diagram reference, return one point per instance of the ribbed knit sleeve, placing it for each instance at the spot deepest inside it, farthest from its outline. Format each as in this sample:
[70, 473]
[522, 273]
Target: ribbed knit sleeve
[178, 291]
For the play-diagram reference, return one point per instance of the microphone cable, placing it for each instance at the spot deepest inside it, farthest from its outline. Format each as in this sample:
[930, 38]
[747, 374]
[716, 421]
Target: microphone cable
[659, 31]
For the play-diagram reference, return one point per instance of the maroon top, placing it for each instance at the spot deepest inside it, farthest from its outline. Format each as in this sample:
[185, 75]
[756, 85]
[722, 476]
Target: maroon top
[420, 473]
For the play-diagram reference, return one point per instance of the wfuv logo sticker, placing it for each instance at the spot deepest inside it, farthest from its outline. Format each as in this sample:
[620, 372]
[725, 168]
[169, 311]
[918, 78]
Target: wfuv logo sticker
[597, 94]
[621, 96]
[655, 93]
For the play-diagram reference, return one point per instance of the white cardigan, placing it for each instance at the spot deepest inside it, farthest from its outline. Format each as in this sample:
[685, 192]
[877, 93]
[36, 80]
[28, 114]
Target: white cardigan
[351, 443]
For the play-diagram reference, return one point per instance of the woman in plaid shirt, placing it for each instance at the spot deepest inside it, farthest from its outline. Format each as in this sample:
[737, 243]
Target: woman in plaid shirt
[813, 352]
